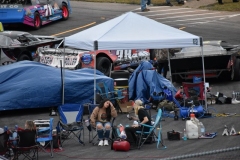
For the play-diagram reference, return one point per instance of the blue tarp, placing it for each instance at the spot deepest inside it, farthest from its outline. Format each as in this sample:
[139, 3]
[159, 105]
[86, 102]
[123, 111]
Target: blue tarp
[144, 81]
[28, 84]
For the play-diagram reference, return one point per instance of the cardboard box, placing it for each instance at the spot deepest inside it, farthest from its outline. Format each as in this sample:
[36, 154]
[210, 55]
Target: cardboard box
[126, 107]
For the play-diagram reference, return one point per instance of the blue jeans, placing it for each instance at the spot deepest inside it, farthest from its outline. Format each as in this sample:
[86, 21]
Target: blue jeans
[143, 4]
[103, 133]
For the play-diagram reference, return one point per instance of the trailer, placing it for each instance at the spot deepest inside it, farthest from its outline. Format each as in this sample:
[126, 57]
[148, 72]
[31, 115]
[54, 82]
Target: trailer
[221, 59]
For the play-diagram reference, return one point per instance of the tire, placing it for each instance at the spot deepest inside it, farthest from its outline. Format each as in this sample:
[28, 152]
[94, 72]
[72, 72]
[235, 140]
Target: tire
[79, 66]
[103, 65]
[120, 74]
[37, 21]
[65, 12]
[236, 70]
[24, 57]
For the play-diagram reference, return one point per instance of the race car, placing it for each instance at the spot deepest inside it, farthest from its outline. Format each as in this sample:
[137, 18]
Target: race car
[107, 60]
[34, 12]
[18, 46]
[221, 59]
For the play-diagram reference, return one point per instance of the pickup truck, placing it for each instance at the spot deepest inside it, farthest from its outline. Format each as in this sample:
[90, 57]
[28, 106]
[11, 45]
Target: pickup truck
[221, 59]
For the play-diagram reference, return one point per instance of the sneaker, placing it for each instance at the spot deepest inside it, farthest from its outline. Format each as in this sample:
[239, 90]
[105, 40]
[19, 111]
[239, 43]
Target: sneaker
[145, 10]
[234, 101]
[181, 2]
[105, 142]
[169, 4]
[100, 143]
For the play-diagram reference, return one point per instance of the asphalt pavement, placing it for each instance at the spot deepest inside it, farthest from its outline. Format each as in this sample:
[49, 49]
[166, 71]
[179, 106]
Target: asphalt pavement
[220, 147]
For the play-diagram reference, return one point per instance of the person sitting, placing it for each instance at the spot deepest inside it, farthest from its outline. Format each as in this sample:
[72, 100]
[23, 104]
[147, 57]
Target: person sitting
[143, 117]
[100, 119]
[29, 125]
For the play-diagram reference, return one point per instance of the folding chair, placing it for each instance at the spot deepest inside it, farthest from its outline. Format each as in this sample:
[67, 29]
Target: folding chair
[104, 91]
[71, 122]
[44, 135]
[92, 129]
[114, 96]
[26, 145]
[142, 136]
[4, 150]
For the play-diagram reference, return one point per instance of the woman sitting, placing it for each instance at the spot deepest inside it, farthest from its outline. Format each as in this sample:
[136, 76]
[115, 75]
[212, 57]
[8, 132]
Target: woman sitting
[143, 117]
[100, 119]
[29, 125]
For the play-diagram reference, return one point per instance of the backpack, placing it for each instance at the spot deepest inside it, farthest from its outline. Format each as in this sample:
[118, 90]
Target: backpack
[168, 106]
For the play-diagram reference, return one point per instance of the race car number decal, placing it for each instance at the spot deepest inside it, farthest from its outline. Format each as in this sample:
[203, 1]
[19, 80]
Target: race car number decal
[69, 61]
[46, 60]
[124, 54]
[128, 55]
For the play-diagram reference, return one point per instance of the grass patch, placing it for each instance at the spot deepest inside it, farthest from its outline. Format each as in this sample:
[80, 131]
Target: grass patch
[227, 6]
[154, 2]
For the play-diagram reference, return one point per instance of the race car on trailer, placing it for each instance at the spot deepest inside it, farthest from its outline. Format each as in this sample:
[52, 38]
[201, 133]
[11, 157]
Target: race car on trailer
[221, 59]
[34, 13]
[18, 46]
[107, 60]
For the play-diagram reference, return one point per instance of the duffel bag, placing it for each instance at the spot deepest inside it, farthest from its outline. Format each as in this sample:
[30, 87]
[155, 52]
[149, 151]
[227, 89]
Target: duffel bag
[121, 145]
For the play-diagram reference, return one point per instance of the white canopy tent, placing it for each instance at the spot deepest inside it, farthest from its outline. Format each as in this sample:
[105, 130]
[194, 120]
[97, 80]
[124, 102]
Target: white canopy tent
[132, 31]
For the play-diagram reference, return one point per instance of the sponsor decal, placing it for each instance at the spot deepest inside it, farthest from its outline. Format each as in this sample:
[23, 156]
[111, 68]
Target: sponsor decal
[86, 58]
[13, 6]
[195, 41]
[46, 60]
[70, 61]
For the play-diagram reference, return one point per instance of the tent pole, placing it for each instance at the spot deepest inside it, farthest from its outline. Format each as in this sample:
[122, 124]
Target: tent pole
[63, 72]
[204, 78]
[94, 102]
[169, 65]
[95, 64]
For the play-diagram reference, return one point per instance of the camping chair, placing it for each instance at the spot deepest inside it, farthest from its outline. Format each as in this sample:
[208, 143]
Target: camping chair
[118, 96]
[190, 90]
[26, 145]
[143, 136]
[92, 129]
[44, 135]
[104, 91]
[4, 151]
[70, 123]
[114, 96]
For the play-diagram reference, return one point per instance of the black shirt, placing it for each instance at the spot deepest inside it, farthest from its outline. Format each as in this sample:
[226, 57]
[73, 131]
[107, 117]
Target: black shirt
[143, 113]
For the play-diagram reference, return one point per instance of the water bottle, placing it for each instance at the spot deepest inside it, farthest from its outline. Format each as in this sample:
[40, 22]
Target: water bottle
[5, 128]
[202, 129]
[184, 135]
[11, 154]
[14, 135]
[233, 95]
[16, 127]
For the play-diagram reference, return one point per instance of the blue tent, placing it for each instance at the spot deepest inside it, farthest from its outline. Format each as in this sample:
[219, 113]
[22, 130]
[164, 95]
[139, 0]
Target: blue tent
[144, 81]
[28, 84]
